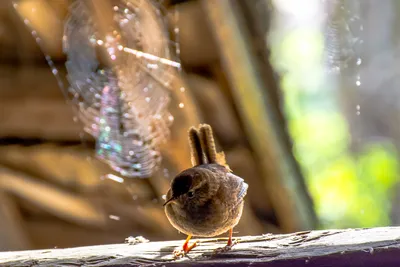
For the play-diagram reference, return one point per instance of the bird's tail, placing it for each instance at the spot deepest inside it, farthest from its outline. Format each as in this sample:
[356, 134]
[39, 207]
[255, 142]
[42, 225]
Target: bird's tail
[203, 149]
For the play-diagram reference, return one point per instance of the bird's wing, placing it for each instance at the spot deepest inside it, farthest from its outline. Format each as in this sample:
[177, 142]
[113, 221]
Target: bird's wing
[239, 187]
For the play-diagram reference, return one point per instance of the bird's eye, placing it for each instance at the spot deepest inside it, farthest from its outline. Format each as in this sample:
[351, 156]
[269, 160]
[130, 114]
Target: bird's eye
[190, 194]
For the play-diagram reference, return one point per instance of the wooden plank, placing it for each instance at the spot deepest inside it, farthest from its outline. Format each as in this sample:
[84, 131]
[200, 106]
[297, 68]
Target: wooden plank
[64, 204]
[198, 48]
[32, 105]
[12, 234]
[351, 247]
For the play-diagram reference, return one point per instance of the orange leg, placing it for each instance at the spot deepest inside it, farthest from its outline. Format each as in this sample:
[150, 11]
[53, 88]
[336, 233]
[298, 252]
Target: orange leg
[230, 238]
[186, 248]
[229, 245]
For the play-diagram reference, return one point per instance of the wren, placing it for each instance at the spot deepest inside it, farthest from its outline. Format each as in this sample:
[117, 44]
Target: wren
[205, 200]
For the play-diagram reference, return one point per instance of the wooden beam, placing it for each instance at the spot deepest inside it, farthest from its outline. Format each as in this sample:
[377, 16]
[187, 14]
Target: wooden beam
[198, 48]
[216, 110]
[12, 234]
[197, 44]
[352, 247]
[46, 20]
[33, 106]
[283, 181]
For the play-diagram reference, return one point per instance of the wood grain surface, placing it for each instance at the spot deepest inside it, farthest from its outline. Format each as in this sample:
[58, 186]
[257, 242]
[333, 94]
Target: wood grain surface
[351, 247]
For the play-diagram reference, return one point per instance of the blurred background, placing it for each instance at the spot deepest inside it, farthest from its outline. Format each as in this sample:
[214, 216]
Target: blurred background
[303, 100]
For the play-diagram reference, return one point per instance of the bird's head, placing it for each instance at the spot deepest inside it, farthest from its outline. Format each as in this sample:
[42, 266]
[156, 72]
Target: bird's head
[194, 185]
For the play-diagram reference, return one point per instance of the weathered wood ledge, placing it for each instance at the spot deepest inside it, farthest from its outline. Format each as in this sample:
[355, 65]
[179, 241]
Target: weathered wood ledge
[351, 247]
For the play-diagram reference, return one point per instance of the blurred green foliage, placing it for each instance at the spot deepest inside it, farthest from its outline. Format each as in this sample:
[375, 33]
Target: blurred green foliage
[349, 190]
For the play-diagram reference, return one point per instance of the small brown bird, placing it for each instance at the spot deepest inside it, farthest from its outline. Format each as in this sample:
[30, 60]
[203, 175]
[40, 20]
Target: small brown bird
[207, 199]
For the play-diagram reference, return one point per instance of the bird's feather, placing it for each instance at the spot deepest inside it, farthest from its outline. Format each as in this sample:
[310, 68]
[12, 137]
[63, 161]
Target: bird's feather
[238, 185]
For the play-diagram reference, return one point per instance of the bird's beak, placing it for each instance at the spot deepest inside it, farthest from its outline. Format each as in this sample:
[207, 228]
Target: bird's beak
[169, 200]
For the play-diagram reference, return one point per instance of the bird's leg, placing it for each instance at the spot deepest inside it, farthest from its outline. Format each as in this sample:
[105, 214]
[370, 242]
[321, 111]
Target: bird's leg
[229, 245]
[185, 248]
[231, 242]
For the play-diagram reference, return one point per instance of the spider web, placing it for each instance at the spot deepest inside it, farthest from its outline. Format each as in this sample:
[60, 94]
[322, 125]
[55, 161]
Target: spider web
[343, 35]
[123, 104]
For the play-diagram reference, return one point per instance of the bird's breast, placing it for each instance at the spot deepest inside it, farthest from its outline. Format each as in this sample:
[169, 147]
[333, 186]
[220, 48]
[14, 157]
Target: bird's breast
[210, 219]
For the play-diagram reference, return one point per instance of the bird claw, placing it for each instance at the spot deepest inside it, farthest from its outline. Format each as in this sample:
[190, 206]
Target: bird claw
[226, 248]
[179, 253]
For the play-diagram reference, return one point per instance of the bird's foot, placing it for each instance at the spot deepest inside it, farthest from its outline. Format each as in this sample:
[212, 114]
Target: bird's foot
[226, 248]
[179, 253]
